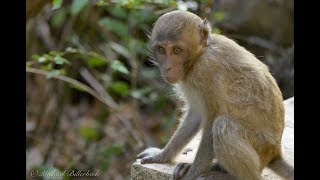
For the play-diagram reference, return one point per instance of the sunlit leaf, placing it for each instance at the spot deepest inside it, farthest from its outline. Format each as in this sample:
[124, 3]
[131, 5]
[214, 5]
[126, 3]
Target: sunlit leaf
[120, 87]
[42, 59]
[60, 60]
[102, 3]
[218, 16]
[119, 66]
[56, 4]
[77, 6]
[89, 132]
[71, 50]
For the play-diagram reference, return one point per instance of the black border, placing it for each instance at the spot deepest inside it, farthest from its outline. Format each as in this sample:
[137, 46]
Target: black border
[306, 132]
[13, 83]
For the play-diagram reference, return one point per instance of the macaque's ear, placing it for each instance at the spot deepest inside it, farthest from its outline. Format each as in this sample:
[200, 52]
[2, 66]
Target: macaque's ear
[205, 30]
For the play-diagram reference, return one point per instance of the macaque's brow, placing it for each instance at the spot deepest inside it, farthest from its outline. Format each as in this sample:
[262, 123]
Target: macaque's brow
[169, 43]
[167, 36]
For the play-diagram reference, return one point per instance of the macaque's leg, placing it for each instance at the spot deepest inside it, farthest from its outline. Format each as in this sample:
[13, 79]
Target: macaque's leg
[280, 166]
[203, 159]
[232, 150]
[184, 133]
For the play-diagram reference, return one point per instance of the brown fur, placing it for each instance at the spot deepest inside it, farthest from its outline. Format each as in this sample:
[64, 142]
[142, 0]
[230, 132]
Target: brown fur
[233, 93]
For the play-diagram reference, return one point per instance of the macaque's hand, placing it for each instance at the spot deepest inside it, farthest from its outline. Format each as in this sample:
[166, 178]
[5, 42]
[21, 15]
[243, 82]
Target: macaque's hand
[183, 171]
[152, 155]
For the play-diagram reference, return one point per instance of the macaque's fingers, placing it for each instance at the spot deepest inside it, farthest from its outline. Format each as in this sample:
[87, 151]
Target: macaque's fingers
[184, 170]
[142, 155]
[180, 170]
[177, 170]
[148, 159]
[148, 152]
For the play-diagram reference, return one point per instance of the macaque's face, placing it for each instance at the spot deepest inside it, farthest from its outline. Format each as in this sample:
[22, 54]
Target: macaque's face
[170, 57]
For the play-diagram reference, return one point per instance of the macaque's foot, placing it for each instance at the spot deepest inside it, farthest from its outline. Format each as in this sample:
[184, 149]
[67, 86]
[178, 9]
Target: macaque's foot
[181, 170]
[152, 155]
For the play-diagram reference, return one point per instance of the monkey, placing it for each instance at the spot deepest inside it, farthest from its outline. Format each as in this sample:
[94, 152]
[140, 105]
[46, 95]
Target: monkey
[227, 93]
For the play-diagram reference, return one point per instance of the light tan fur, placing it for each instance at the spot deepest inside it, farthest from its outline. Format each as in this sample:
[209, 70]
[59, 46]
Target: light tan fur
[228, 93]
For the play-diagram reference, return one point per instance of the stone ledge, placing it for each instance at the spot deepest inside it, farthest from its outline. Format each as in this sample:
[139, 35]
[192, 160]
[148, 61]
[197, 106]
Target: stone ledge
[165, 171]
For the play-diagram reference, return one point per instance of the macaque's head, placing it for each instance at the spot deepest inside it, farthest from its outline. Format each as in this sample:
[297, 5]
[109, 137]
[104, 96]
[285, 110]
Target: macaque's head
[176, 40]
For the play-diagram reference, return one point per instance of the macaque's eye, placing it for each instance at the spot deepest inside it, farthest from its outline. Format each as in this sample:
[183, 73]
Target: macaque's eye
[177, 50]
[161, 50]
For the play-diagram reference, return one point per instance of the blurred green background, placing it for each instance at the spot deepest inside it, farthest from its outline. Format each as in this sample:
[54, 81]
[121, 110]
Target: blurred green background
[94, 100]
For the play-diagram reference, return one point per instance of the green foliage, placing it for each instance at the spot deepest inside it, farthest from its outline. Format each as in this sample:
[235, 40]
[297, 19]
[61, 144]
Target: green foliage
[58, 17]
[218, 16]
[108, 154]
[120, 87]
[114, 26]
[56, 4]
[119, 66]
[77, 6]
[89, 133]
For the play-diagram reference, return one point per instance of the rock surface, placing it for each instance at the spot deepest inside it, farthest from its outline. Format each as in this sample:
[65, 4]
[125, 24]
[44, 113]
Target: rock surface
[164, 171]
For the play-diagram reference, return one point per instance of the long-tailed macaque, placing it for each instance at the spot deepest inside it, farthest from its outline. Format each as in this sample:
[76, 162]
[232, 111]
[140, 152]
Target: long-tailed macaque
[228, 93]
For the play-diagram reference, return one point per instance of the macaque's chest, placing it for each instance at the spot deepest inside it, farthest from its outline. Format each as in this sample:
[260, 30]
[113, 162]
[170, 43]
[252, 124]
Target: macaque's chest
[194, 101]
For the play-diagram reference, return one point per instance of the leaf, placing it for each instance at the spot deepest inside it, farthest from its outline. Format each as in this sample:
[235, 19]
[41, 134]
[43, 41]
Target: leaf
[96, 62]
[119, 66]
[89, 132]
[94, 59]
[77, 6]
[60, 60]
[35, 56]
[219, 16]
[56, 4]
[118, 12]
[102, 3]
[120, 49]
[115, 26]
[58, 17]
[71, 50]
[42, 59]
[120, 87]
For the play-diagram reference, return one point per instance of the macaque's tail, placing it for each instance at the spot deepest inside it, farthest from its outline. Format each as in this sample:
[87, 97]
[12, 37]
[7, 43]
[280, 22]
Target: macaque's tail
[281, 167]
